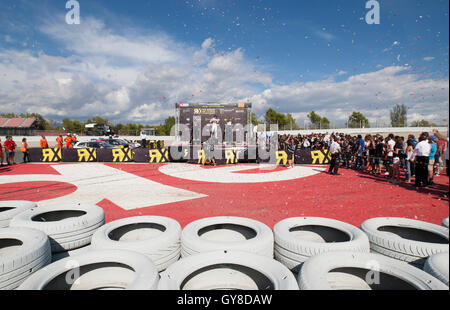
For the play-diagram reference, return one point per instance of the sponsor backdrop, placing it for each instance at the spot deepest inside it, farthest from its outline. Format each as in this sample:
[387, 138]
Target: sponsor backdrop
[190, 154]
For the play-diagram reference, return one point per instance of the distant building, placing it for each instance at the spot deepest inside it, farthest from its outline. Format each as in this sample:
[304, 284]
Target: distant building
[18, 126]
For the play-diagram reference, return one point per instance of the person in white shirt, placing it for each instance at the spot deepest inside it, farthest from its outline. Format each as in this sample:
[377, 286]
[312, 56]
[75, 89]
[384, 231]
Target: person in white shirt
[306, 144]
[421, 154]
[214, 126]
[335, 150]
[390, 152]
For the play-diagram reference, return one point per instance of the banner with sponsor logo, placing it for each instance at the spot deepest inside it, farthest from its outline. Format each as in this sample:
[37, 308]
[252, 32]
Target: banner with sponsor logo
[190, 154]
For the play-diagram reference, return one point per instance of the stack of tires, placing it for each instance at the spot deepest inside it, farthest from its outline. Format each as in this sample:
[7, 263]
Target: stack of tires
[227, 233]
[97, 270]
[9, 209]
[156, 237]
[23, 251]
[298, 239]
[363, 271]
[406, 240]
[227, 253]
[68, 228]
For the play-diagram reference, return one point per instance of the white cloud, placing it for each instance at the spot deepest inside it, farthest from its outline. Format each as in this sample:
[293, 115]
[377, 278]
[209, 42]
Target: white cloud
[130, 76]
[428, 58]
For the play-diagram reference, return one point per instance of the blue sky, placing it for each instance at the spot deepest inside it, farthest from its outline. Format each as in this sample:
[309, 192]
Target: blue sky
[132, 62]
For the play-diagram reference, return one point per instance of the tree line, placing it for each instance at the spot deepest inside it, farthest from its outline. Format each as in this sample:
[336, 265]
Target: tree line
[398, 117]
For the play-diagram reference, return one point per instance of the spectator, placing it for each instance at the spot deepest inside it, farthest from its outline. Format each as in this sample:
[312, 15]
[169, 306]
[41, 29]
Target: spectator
[379, 149]
[409, 152]
[446, 154]
[390, 144]
[290, 150]
[432, 140]
[10, 147]
[335, 150]
[26, 157]
[2, 158]
[422, 156]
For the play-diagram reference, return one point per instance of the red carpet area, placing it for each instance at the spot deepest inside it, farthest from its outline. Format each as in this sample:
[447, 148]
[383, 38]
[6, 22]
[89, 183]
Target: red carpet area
[188, 193]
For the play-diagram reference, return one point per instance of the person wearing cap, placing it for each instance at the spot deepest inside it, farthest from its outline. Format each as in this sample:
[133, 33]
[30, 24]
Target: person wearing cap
[432, 140]
[421, 154]
[68, 141]
[335, 150]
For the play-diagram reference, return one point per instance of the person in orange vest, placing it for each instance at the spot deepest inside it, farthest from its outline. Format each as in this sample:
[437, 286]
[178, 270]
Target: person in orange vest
[44, 143]
[60, 142]
[26, 157]
[74, 140]
[68, 140]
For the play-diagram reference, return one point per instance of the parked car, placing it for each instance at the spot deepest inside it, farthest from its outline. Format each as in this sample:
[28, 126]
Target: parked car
[94, 145]
[117, 142]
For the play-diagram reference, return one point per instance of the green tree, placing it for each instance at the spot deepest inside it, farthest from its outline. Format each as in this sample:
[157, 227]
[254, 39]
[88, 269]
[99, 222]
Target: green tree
[318, 122]
[272, 117]
[292, 123]
[357, 119]
[399, 116]
[423, 123]
[255, 120]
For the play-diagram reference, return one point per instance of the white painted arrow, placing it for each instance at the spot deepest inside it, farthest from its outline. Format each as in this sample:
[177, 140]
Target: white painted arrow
[96, 182]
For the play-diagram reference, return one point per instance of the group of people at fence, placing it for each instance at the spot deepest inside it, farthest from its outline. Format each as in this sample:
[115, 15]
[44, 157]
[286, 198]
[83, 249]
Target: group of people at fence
[422, 159]
[10, 151]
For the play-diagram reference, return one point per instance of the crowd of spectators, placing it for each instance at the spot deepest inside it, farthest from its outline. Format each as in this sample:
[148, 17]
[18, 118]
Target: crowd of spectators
[422, 157]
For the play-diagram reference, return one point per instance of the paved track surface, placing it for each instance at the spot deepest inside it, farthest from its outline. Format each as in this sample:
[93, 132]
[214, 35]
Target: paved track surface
[189, 192]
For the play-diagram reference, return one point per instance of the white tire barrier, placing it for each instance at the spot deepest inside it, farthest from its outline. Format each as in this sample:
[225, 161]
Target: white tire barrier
[445, 222]
[156, 237]
[227, 270]
[407, 240]
[68, 227]
[61, 255]
[298, 239]
[227, 233]
[97, 270]
[9, 209]
[363, 271]
[23, 251]
[437, 266]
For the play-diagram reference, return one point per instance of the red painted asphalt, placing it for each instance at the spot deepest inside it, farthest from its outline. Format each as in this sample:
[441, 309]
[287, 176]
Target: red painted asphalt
[352, 197]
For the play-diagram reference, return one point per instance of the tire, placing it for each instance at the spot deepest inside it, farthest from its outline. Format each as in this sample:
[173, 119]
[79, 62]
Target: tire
[445, 222]
[137, 234]
[437, 266]
[298, 239]
[227, 233]
[68, 227]
[59, 256]
[23, 251]
[227, 270]
[9, 209]
[106, 269]
[346, 270]
[414, 241]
